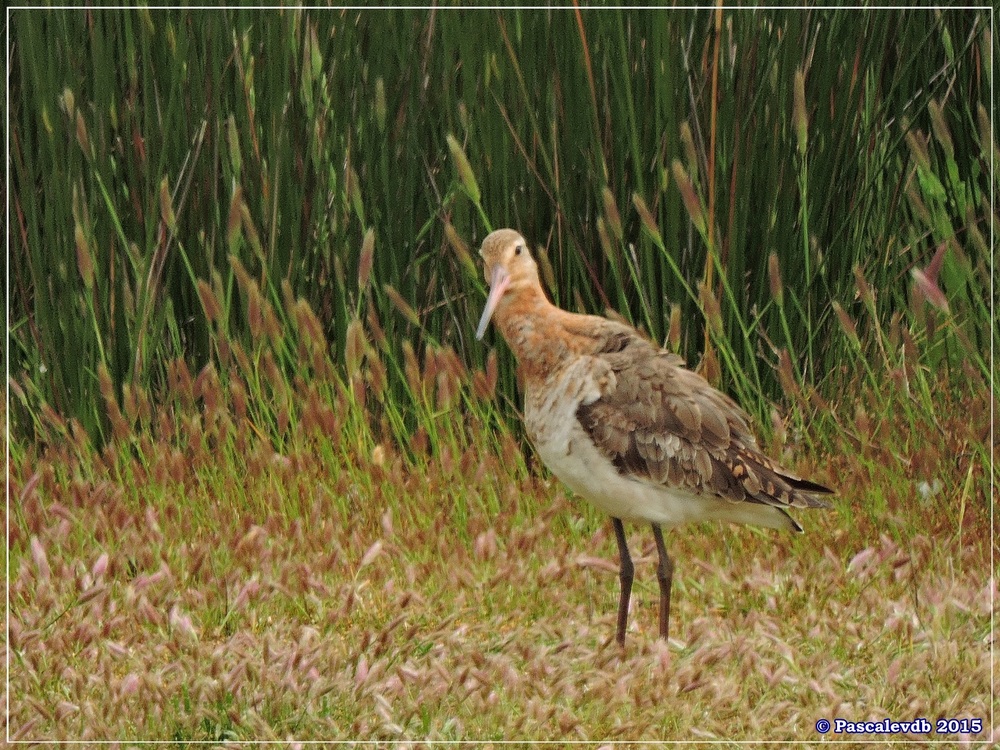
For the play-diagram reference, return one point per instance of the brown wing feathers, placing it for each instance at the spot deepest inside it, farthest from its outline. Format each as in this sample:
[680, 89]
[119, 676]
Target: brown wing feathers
[662, 422]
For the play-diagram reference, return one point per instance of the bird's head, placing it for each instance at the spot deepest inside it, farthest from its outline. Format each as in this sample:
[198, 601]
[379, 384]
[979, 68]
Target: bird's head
[509, 268]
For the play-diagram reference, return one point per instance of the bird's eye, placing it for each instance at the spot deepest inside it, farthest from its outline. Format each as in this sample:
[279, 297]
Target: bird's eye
[518, 249]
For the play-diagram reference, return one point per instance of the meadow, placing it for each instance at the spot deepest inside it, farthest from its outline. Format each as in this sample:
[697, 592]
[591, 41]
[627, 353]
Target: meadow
[263, 483]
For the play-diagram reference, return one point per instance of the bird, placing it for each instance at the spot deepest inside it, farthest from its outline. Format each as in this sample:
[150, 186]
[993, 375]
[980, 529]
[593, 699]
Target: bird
[625, 425]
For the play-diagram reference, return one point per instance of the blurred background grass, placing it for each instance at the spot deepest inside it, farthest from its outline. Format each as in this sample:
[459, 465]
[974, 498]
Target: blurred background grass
[763, 190]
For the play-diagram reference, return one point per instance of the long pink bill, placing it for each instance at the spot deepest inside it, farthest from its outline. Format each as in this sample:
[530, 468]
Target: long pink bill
[499, 282]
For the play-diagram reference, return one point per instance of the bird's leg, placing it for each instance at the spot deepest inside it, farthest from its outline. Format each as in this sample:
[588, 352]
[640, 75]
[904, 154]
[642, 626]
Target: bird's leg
[665, 575]
[625, 575]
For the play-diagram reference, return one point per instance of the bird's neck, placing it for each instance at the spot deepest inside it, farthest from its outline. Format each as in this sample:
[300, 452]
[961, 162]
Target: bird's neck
[536, 331]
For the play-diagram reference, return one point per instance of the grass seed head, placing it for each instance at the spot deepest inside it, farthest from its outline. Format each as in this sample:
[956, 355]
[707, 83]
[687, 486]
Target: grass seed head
[799, 111]
[605, 241]
[465, 174]
[710, 305]
[774, 279]
[687, 143]
[209, 302]
[648, 222]
[917, 143]
[355, 346]
[375, 327]
[691, 200]
[234, 220]
[461, 250]
[786, 375]
[82, 137]
[674, 332]
[545, 265]
[846, 322]
[380, 105]
[366, 259]
[255, 314]
[431, 368]
[118, 424]
[43, 571]
[402, 305]
[940, 128]
[250, 230]
[67, 101]
[611, 213]
[272, 326]
[377, 376]
[84, 258]
[167, 214]
[865, 291]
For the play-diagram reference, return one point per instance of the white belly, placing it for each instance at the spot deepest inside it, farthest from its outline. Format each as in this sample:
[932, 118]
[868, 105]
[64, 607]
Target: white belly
[567, 450]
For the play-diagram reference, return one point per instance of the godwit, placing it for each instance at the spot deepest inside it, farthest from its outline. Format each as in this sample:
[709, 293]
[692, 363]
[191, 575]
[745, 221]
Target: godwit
[626, 426]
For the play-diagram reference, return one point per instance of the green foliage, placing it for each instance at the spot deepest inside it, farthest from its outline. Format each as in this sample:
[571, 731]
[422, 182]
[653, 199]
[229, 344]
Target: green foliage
[350, 160]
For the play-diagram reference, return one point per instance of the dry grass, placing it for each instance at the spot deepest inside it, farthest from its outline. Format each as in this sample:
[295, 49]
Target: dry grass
[193, 587]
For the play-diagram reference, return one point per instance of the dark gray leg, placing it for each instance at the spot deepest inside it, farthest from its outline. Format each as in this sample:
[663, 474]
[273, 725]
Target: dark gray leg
[625, 575]
[665, 575]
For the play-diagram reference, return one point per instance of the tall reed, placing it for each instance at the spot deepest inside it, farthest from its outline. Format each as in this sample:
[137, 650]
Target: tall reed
[694, 172]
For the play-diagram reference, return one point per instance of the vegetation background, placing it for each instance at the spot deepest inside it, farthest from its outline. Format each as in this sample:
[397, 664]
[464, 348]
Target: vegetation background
[263, 483]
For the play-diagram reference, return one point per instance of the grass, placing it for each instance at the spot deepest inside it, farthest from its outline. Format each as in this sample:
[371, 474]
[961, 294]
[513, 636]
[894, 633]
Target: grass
[194, 582]
[264, 484]
[152, 146]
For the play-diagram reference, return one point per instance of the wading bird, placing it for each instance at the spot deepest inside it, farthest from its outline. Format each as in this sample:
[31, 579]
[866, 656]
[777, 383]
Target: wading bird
[626, 426]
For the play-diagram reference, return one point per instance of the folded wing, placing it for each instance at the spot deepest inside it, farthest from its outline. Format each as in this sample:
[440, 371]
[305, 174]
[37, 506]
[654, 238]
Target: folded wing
[660, 422]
